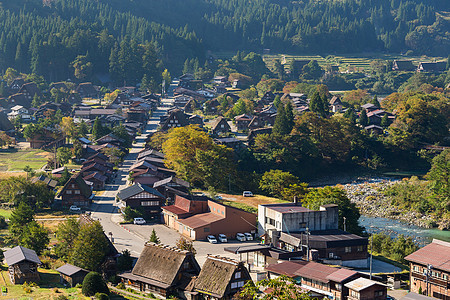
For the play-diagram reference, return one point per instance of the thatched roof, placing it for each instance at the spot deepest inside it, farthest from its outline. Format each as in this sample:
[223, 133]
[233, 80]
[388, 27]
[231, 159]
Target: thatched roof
[5, 124]
[216, 274]
[162, 263]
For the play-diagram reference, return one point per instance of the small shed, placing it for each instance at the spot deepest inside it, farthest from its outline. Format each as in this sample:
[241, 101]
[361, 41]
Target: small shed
[72, 274]
[22, 265]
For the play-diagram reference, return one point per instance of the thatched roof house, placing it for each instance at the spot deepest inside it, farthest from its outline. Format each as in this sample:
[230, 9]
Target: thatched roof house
[162, 269]
[221, 277]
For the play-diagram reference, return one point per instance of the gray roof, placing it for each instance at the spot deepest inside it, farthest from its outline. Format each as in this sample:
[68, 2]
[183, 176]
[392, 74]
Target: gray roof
[136, 189]
[69, 269]
[19, 253]
[171, 179]
[362, 284]
[414, 296]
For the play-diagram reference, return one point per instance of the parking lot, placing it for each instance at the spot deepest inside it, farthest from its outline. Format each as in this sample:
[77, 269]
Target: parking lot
[168, 236]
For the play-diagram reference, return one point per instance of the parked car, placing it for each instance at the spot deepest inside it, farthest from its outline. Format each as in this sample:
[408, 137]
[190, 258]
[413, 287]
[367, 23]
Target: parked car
[218, 197]
[75, 208]
[240, 237]
[139, 221]
[248, 236]
[211, 239]
[247, 194]
[222, 238]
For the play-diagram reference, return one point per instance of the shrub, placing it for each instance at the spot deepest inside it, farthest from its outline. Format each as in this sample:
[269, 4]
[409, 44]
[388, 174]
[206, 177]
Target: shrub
[93, 283]
[151, 295]
[121, 286]
[3, 223]
[101, 296]
[78, 286]
[61, 297]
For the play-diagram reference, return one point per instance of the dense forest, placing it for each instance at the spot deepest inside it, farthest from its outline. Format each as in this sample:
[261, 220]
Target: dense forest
[50, 37]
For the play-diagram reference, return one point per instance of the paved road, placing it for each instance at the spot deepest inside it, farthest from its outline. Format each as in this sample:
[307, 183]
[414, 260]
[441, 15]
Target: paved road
[104, 208]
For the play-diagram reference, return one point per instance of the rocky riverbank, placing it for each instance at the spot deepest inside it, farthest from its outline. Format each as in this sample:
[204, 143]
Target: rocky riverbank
[367, 194]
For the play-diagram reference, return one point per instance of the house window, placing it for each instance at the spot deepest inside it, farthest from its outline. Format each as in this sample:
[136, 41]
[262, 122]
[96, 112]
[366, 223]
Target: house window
[186, 265]
[176, 121]
[354, 294]
[302, 224]
[378, 293]
[77, 192]
[240, 283]
[73, 185]
[171, 121]
[149, 203]
[234, 285]
[444, 276]
[348, 249]
[360, 248]
[237, 275]
[69, 192]
[222, 126]
[206, 229]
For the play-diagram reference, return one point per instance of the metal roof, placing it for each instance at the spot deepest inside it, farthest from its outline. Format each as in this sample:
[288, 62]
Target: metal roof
[414, 296]
[436, 254]
[19, 253]
[136, 189]
[69, 269]
[362, 284]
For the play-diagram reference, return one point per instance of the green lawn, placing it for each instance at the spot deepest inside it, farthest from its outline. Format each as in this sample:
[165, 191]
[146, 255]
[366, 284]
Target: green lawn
[16, 160]
[5, 213]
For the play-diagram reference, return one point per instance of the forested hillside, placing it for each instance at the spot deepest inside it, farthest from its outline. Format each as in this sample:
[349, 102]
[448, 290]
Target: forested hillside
[46, 36]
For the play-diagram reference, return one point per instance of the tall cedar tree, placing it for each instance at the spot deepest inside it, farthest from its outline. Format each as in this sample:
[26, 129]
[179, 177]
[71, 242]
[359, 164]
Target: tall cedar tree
[283, 123]
[363, 120]
[385, 121]
[20, 218]
[319, 104]
[154, 238]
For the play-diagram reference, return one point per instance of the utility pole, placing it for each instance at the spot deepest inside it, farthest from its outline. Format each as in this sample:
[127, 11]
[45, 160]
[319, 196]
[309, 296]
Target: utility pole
[371, 254]
[345, 227]
[307, 243]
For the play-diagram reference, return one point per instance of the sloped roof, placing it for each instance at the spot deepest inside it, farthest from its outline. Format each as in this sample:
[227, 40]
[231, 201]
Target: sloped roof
[361, 284]
[218, 121]
[316, 271]
[150, 152]
[5, 124]
[19, 253]
[215, 275]
[436, 254]
[48, 181]
[85, 189]
[341, 275]
[414, 296]
[70, 270]
[200, 220]
[171, 179]
[136, 189]
[95, 175]
[335, 100]
[160, 263]
[288, 268]
[31, 87]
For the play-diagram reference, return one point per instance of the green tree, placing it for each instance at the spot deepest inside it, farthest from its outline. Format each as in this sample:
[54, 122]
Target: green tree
[319, 104]
[66, 234]
[19, 219]
[274, 182]
[385, 121]
[125, 261]
[30, 172]
[363, 120]
[154, 238]
[82, 67]
[334, 195]
[312, 70]
[93, 283]
[295, 190]
[375, 101]
[439, 175]
[63, 155]
[34, 237]
[90, 247]
[283, 121]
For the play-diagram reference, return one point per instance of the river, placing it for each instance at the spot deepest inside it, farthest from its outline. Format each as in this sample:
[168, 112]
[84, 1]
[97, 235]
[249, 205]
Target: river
[421, 236]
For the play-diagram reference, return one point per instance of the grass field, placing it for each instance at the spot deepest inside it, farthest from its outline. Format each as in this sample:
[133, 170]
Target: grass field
[16, 160]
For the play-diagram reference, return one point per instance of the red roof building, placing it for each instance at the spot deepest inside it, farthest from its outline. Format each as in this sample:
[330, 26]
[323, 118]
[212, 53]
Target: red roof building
[430, 270]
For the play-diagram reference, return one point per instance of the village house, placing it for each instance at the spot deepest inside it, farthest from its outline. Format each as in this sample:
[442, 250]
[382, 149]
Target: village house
[150, 153]
[318, 279]
[220, 278]
[110, 138]
[430, 270]
[22, 265]
[242, 121]
[172, 186]
[71, 275]
[30, 90]
[435, 67]
[220, 79]
[336, 104]
[50, 183]
[47, 138]
[15, 85]
[144, 198]
[86, 90]
[255, 123]
[146, 176]
[403, 65]
[198, 217]
[196, 120]
[93, 167]
[366, 289]
[19, 110]
[230, 142]
[374, 129]
[97, 179]
[176, 118]
[76, 192]
[369, 107]
[5, 123]
[220, 126]
[20, 99]
[163, 270]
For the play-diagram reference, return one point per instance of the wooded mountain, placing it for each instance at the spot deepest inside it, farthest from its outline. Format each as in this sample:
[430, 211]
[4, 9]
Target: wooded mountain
[46, 36]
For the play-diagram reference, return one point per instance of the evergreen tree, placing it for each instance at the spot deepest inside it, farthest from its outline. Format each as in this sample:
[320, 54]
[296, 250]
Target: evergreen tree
[350, 114]
[319, 104]
[281, 125]
[385, 121]
[363, 120]
[154, 238]
[93, 283]
[34, 237]
[289, 116]
[375, 101]
[97, 129]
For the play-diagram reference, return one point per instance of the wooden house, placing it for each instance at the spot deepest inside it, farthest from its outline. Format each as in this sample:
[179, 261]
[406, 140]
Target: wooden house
[22, 265]
[220, 126]
[76, 192]
[363, 288]
[47, 138]
[403, 65]
[176, 118]
[172, 186]
[163, 270]
[71, 275]
[196, 120]
[435, 67]
[242, 121]
[50, 183]
[221, 278]
[5, 123]
[86, 90]
[255, 123]
[98, 180]
[15, 85]
[140, 196]
[150, 153]
[20, 99]
[30, 90]
[336, 104]
[110, 138]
